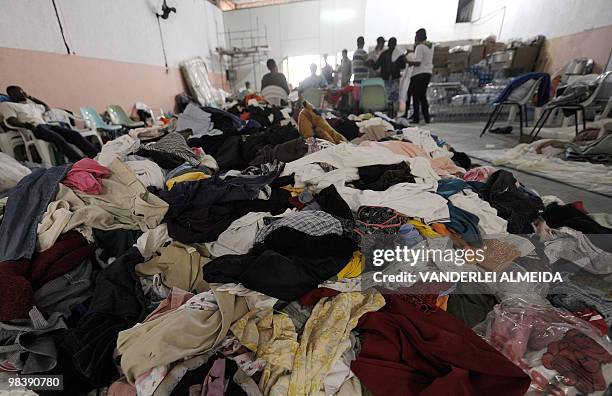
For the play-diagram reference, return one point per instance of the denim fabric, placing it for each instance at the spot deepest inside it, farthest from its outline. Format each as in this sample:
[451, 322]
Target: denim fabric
[27, 202]
[62, 293]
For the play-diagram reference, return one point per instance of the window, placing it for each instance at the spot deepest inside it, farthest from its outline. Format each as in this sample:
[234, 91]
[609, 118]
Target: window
[297, 68]
[464, 11]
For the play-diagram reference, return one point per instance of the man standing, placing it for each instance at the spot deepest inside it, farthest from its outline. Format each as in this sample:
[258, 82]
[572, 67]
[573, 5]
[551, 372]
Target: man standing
[346, 69]
[274, 77]
[360, 58]
[375, 53]
[391, 62]
[421, 75]
[326, 71]
[25, 111]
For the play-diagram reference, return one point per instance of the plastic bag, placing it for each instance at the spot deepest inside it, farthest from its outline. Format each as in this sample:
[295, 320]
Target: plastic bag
[562, 354]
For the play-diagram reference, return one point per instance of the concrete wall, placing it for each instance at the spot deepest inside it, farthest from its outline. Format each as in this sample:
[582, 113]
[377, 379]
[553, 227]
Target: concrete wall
[116, 51]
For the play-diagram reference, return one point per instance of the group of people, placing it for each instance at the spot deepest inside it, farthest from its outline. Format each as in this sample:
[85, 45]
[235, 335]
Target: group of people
[25, 111]
[386, 63]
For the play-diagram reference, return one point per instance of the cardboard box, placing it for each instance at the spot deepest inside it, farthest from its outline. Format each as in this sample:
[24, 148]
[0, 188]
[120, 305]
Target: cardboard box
[476, 54]
[524, 58]
[494, 47]
[440, 71]
[458, 61]
[440, 56]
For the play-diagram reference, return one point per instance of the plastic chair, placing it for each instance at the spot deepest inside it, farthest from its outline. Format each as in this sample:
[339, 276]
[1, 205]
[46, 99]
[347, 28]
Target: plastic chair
[518, 99]
[118, 116]
[94, 121]
[313, 96]
[274, 94]
[598, 94]
[9, 141]
[373, 95]
[58, 116]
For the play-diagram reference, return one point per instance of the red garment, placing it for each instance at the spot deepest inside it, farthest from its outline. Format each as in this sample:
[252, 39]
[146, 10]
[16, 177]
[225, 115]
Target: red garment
[16, 294]
[312, 297]
[408, 352]
[85, 176]
[19, 279]
[578, 359]
[66, 254]
[580, 206]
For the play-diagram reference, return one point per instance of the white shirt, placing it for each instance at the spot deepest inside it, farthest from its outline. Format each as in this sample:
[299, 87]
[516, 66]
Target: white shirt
[28, 113]
[423, 54]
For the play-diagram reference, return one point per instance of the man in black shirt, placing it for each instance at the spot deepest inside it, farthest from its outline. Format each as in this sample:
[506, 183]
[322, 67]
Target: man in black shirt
[391, 62]
[274, 77]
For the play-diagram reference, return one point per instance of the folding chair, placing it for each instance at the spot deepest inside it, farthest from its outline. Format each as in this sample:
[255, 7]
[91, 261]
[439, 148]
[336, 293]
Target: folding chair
[118, 116]
[373, 95]
[518, 98]
[574, 107]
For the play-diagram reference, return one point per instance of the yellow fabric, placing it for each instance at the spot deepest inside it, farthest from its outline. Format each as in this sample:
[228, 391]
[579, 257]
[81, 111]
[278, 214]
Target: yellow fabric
[424, 229]
[329, 325]
[191, 176]
[300, 368]
[310, 124]
[273, 338]
[354, 267]
[295, 191]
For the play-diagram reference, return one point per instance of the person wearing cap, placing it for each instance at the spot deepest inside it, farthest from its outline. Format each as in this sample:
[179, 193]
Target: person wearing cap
[375, 53]
[422, 62]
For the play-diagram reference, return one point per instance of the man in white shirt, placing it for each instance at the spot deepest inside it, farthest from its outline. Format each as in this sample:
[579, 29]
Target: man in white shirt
[422, 61]
[25, 111]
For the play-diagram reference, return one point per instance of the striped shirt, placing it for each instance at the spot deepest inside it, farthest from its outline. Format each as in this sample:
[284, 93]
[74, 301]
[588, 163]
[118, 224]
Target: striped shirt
[360, 68]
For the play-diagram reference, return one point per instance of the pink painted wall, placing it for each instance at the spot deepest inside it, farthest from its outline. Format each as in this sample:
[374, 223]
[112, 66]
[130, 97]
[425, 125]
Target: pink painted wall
[593, 43]
[71, 81]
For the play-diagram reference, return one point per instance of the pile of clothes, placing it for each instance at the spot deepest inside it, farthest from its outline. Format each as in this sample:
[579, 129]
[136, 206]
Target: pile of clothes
[232, 255]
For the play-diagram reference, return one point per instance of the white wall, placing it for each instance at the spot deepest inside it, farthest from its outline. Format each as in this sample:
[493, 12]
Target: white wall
[521, 18]
[122, 30]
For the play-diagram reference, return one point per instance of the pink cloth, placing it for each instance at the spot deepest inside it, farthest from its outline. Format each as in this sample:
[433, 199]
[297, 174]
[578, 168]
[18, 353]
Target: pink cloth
[175, 299]
[121, 388]
[85, 176]
[442, 166]
[480, 174]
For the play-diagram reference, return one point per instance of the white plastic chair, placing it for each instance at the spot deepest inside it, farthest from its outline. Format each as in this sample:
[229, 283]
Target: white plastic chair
[9, 141]
[59, 115]
[274, 94]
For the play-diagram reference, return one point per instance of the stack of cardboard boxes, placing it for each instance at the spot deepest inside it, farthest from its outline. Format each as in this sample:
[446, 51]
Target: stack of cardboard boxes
[440, 60]
[456, 62]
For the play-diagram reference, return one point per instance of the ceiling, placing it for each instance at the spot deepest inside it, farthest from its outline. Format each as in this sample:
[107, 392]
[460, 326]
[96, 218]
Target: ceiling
[228, 5]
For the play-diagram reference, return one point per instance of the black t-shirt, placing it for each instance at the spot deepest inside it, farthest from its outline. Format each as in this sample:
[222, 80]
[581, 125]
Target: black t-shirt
[277, 79]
